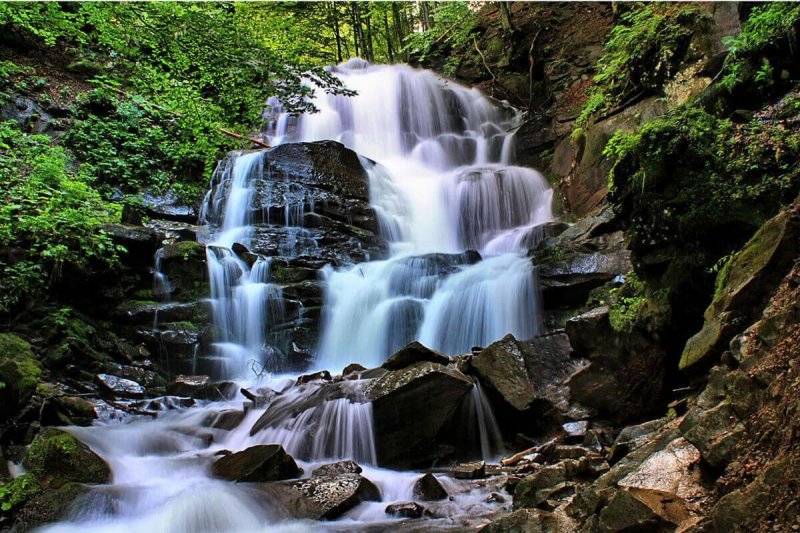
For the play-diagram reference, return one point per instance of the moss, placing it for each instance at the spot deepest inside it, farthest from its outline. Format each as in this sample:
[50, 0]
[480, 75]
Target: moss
[18, 492]
[57, 455]
[19, 374]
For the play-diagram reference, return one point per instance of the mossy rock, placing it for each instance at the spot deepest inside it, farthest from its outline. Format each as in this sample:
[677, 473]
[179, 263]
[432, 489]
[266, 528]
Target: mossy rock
[19, 374]
[49, 505]
[18, 492]
[184, 264]
[742, 285]
[59, 457]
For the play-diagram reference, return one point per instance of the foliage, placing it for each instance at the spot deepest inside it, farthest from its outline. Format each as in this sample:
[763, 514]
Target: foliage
[627, 304]
[18, 491]
[49, 212]
[685, 175]
[643, 52]
[768, 24]
[453, 24]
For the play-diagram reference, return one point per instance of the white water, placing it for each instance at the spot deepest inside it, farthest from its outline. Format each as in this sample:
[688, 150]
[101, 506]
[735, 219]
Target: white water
[445, 183]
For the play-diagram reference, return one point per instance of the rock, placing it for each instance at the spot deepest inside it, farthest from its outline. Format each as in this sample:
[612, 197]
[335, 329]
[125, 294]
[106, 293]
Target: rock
[427, 488]
[140, 242]
[184, 264]
[669, 482]
[334, 469]
[168, 206]
[19, 373]
[226, 420]
[536, 489]
[405, 510]
[625, 376]
[475, 470]
[322, 375]
[201, 388]
[414, 352]
[531, 521]
[626, 513]
[576, 431]
[319, 498]
[257, 464]
[146, 378]
[751, 275]
[410, 407]
[117, 386]
[586, 255]
[714, 431]
[64, 410]
[528, 376]
[57, 455]
[352, 368]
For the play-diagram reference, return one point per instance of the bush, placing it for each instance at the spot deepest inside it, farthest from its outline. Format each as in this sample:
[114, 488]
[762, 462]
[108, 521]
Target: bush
[49, 214]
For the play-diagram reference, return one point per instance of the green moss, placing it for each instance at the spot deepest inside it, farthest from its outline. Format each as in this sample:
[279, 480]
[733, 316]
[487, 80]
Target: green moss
[19, 374]
[59, 456]
[18, 492]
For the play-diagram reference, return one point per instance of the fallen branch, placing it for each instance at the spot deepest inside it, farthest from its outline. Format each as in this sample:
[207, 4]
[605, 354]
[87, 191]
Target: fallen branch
[129, 409]
[495, 81]
[517, 457]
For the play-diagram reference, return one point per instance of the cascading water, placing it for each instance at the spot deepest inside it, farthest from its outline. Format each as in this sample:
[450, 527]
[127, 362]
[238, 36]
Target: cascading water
[458, 215]
[444, 183]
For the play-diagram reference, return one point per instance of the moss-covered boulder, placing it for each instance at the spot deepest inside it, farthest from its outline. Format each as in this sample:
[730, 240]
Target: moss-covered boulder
[742, 285]
[59, 458]
[19, 374]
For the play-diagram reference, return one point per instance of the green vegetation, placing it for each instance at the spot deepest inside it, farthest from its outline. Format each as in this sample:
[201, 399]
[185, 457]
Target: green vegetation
[19, 373]
[49, 212]
[642, 53]
[451, 24]
[768, 25]
[18, 491]
[59, 455]
[687, 176]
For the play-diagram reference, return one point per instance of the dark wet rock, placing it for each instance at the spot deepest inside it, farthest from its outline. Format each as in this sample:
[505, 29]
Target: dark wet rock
[175, 231]
[427, 489]
[528, 377]
[626, 513]
[117, 386]
[140, 242]
[202, 388]
[405, 510]
[147, 313]
[752, 274]
[63, 410]
[624, 379]
[335, 469]
[184, 264]
[58, 455]
[318, 498]
[414, 352]
[352, 368]
[257, 464]
[586, 255]
[474, 470]
[322, 375]
[536, 489]
[226, 420]
[173, 340]
[168, 206]
[410, 406]
[144, 377]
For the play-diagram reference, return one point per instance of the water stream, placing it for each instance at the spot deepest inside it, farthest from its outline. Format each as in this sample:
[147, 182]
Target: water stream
[458, 216]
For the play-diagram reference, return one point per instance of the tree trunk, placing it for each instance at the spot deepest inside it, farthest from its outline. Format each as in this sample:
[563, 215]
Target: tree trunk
[334, 18]
[505, 18]
[388, 35]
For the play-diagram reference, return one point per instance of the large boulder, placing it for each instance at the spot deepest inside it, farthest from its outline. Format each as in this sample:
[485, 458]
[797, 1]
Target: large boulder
[184, 264]
[414, 352]
[117, 386]
[410, 407]
[744, 284]
[59, 457]
[625, 374]
[322, 498]
[427, 488]
[525, 374]
[531, 521]
[257, 464]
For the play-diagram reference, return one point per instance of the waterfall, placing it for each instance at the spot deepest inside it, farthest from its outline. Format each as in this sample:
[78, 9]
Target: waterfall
[444, 183]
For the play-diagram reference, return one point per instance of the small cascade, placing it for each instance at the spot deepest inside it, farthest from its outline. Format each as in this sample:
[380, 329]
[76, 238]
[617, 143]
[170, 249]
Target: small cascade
[161, 286]
[489, 434]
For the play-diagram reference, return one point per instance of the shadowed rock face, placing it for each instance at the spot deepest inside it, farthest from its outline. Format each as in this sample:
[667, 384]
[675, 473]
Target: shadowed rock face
[325, 497]
[410, 408]
[257, 463]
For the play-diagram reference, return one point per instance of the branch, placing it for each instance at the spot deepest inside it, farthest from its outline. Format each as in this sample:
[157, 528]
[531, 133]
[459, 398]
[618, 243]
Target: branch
[532, 63]
[495, 81]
